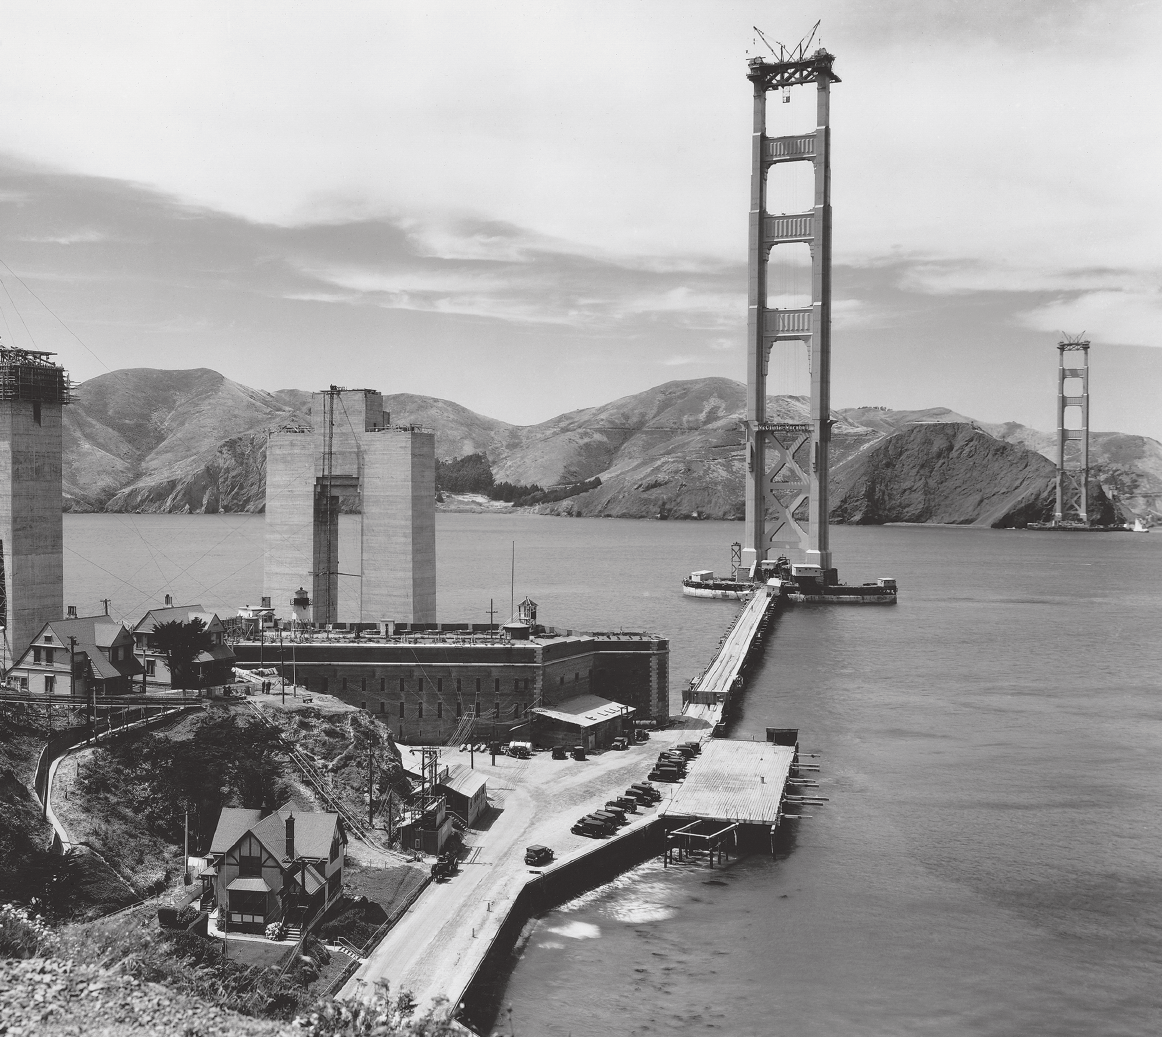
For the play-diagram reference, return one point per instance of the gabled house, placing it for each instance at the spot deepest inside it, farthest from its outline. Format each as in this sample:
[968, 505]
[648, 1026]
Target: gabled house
[211, 668]
[284, 866]
[100, 651]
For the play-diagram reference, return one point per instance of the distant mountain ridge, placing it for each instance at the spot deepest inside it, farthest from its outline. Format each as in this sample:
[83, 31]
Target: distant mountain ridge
[145, 440]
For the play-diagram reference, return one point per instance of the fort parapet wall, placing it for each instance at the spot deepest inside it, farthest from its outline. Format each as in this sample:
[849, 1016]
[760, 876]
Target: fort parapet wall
[423, 687]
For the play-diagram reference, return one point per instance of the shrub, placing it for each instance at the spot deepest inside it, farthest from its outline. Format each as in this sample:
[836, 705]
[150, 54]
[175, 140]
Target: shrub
[23, 934]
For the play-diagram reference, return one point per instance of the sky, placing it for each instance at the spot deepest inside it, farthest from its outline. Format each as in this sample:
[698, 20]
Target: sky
[529, 208]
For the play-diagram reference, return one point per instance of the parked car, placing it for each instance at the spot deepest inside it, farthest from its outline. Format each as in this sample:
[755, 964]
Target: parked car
[619, 743]
[578, 752]
[537, 855]
[560, 752]
[616, 819]
[667, 775]
[641, 736]
[627, 803]
[696, 746]
[614, 807]
[645, 789]
[520, 750]
[445, 867]
[591, 827]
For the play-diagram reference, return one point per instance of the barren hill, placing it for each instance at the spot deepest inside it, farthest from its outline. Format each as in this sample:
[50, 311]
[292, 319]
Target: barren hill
[194, 441]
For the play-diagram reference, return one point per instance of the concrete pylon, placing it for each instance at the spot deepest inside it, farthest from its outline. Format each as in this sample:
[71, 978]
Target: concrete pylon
[352, 459]
[786, 477]
[33, 391]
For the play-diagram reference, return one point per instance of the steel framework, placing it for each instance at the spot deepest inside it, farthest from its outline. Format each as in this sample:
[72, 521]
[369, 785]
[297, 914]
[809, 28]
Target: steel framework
[1072, 505]
[786, 481]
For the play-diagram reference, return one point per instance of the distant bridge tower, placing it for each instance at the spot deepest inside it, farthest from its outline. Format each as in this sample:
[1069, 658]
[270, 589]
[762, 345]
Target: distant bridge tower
[1072, 443]
[786, 481]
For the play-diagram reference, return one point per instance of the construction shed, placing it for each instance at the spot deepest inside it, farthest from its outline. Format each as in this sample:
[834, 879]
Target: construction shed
[466, 791]
[587, 720]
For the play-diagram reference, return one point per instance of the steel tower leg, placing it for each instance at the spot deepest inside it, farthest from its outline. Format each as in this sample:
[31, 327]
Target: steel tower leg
[786, 476]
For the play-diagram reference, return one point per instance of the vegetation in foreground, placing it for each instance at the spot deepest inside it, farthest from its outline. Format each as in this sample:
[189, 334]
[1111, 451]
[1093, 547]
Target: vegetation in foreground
[145, 784]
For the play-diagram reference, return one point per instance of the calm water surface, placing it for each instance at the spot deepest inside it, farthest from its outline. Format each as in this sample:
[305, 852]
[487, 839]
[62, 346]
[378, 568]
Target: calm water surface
[990, 861]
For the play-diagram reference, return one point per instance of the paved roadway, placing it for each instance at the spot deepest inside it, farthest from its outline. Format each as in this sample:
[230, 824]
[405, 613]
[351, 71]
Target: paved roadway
[435, 948]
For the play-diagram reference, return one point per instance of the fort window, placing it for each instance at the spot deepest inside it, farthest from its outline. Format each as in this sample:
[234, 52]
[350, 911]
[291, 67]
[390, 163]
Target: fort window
[344, 683]
[401, 685]
[457, 685]
[440, 710]
[420, 711]
[477, 685]
[383, 685]
[382, 707]
[420, 685]
[363, 684]
[36, 411]
[459, 706]
[362, 705]
[496, 709]
[401, 709]
[497, 688]
[439, 685]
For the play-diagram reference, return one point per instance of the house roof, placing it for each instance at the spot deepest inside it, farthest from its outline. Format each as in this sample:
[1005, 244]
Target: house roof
[464, 780]
[233, 824]
[314, 830]
[585, 710]
[92, 634]
[249, 886]
[179, 614]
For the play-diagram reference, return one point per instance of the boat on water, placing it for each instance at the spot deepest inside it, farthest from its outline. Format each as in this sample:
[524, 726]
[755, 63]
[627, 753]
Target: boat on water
[1139, 527]
[702, 584]
[798, 583]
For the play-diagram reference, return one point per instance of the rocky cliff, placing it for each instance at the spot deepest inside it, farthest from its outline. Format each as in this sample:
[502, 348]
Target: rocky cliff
[193, 441]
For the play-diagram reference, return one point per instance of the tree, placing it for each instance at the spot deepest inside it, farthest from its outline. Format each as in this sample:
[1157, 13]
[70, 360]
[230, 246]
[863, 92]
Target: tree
[181, 644]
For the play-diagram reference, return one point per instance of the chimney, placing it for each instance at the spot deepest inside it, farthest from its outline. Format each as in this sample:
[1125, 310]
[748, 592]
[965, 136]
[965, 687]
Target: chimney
[169, 601]
[72, 612]
[290, 836]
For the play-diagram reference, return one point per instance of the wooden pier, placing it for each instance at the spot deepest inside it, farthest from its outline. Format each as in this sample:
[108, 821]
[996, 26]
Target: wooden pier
[709, 696]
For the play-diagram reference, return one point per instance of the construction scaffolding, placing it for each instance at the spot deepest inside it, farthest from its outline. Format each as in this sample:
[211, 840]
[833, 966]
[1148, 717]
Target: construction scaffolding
[31, 375]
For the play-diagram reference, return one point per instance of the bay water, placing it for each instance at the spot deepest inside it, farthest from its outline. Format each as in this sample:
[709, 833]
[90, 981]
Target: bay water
[990, 858]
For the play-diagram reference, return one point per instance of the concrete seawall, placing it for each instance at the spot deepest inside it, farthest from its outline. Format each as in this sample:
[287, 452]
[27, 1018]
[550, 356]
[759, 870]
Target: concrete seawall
[554, 886]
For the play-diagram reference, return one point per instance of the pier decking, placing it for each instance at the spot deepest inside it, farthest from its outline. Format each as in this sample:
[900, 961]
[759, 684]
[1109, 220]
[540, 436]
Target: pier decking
[709, 697]
[734, 781]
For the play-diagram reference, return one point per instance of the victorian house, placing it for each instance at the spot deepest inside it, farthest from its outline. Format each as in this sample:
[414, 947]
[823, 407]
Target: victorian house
[90, 656]
[283, 866]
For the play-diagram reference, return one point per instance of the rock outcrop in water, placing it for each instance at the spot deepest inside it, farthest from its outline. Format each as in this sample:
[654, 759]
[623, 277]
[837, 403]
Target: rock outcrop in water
[193, 441]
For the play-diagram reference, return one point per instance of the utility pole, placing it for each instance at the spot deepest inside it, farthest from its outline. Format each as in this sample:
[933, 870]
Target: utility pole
[186, 849]
[105, 602]
[491, 615]
[281, 666]
[370, 785]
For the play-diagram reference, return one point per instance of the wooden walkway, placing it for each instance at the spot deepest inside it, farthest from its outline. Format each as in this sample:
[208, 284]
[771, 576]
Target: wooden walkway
[710, 696]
